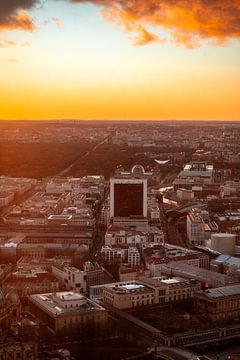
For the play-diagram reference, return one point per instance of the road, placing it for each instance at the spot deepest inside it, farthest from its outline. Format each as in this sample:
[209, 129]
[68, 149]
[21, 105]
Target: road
[67, 170]
[20, 199]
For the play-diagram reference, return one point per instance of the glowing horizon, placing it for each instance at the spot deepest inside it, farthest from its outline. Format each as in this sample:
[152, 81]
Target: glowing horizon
[74, 61]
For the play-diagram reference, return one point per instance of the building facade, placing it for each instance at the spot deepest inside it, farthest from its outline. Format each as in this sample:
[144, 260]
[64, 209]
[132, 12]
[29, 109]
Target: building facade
[219, 304]
[68, 311]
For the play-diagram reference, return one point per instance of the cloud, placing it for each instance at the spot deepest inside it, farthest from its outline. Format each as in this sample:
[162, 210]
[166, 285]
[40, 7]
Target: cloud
[5, 42]
[13, 14]
[12, 61]
[143, 36]
[57, 21]
[25, 43]
[188, 21]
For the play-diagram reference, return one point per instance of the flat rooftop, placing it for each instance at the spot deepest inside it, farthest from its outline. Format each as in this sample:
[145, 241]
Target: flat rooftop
[127, 288]
[69, 296]
[49, 303]
[133, 286]
[170, 281]
[222, 292]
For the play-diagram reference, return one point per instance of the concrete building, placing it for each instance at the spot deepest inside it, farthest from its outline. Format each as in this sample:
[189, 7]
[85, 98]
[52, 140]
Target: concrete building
[116, 235]
[149, 291]
[16, 185]
[230, 187]
[14, 349]
[192, 272]
[121, 255]
[199, 226]
[105, 215]
[70, 278]
[50, 244]
[156, 257]
[68, 311]
[128, 295]
[6, 198]
[128, 198]
[31, 282]
[153, 209]
[111, 255]
[10, 311]
[138, 171]
[223, 243]
[220, 304]
[185, 195]
[226, 264]
[133, 257]
[194, 174]
[26, 263]
[94, 273]
[126, 273]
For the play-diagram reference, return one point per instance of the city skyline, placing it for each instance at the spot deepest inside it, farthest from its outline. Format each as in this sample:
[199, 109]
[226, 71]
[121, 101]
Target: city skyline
[114, 60]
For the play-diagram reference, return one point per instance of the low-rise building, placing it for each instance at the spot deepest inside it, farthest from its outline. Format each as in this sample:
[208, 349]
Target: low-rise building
[230, 187]
[195, 173]
[133, 257]
[157, 256]
[149, 291]
[10, 310]
[111, 255]
[139, 234]
[121, 254]
[186, 271]
[126, 273]
[219, 304]
[153, 209]
[94, 274]
[6, 198]
[15, 349]
[128, 295]
[31, 282]
[70, 278]
[68, 311]
[105, 215]
[199, 227]
[185, 195]
[225, 264]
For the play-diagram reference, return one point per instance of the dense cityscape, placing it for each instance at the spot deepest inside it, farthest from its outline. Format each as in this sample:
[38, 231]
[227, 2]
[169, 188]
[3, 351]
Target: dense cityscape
[120, 240]
[119, 180]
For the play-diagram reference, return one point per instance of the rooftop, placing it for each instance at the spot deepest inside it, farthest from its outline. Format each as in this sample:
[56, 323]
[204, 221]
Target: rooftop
[229, 260]
[170, 281]
[128, 287]
[58, 304]
[224, 291]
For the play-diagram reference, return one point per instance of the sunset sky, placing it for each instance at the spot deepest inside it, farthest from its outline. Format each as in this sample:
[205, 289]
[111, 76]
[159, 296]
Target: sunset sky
[120, 59]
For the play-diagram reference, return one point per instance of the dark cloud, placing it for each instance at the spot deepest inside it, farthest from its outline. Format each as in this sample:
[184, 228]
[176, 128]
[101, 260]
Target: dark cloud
[13, 14]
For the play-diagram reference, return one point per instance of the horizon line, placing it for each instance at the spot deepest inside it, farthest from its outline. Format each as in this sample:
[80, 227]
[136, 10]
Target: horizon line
[126, 120]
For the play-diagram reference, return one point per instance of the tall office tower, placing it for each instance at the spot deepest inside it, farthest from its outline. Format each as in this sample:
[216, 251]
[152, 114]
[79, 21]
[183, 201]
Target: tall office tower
[128, 198]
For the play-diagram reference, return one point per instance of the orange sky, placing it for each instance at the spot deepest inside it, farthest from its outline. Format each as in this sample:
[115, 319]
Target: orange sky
[89, 62]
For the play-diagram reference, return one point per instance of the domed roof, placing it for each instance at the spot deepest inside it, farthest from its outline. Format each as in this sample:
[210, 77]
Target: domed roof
[13, 297]
[2, 299]
[138, 169]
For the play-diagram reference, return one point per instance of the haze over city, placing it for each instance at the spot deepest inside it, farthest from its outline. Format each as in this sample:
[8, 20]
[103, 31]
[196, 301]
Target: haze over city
[117, 59]
[119, 179]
